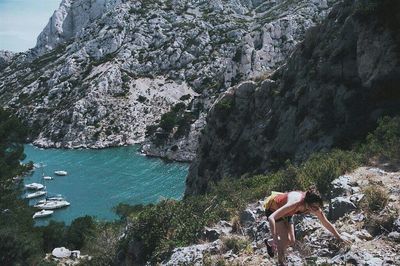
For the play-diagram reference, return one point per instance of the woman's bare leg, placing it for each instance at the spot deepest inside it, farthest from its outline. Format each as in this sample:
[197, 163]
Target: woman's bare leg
[291, 236]
[282, 232]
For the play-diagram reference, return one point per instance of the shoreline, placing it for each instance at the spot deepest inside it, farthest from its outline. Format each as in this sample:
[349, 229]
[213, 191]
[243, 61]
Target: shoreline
[85, 147]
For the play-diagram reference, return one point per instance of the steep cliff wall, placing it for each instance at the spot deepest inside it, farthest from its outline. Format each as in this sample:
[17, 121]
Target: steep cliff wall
[69, 20]
[332, 90]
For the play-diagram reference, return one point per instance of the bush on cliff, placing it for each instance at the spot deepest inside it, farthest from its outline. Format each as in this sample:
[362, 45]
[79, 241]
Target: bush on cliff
[384, 142]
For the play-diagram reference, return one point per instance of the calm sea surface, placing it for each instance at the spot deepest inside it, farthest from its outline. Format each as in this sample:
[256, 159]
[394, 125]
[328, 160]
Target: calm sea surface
[98, 180]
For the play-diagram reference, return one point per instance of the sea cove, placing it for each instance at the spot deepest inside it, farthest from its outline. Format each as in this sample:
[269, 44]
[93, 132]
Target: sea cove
[98, 180]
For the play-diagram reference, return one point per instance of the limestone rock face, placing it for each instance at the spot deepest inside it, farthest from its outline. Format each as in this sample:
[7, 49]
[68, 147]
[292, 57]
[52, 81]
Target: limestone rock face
[330, 93]
[104, 70]
[69, 20]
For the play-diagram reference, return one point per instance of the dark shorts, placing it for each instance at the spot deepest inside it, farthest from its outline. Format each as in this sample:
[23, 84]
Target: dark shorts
[288, 219]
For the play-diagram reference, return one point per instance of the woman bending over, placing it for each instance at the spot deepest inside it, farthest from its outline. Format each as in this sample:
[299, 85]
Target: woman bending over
[280, 208]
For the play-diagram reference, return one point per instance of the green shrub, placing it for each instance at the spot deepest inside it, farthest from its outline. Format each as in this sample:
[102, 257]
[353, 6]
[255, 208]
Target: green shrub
[106, 239]
[150, 130]
[238, 56]
[124, 210]
[236, 244]
[53, 235]
[142, 99]
[176, 117]
[384, 141]
[184, 122]
[168, 121]
[224, 107]
[163, 226]
[322, 168]
[80, 229]
[185, 97]
[375, 199]
[179, 107]
[377, 224]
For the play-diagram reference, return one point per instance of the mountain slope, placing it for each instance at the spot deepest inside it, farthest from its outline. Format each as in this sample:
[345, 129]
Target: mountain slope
[104, 70]
[330, 93]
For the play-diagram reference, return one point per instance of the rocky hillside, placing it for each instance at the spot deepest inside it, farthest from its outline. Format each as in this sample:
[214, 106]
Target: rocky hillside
[330, 93]
[103, 70]
[365, 210]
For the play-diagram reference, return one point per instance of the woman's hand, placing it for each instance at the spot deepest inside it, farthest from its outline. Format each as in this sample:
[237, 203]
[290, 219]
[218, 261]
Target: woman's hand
[344, 240]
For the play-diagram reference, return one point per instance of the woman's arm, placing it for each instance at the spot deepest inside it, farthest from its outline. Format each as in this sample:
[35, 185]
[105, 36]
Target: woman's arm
[329, 226]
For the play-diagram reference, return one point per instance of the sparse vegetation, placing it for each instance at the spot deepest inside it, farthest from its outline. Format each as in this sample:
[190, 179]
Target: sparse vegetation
[384, 143]
[185, 97]
[236, 244]
[142, 99]
[375, 199]
[177, 117]
[224, 107]
[378, 223]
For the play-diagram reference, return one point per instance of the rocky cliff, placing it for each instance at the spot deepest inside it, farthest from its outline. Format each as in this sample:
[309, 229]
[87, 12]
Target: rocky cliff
[104, 70]
[337, 83]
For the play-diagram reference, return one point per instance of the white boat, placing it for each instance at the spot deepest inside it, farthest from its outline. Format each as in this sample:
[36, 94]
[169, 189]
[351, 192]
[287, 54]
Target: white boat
[56, 198]
[35, 186]
[62, 173]
[35, 194]
[42, 213]
[47, 177]
[51, 205]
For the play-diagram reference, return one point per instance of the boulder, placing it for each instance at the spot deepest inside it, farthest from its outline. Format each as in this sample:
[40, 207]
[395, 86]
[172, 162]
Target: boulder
[247, 217]
[211, 234]
[356, 198]
[340, 186]
[395, 236]
[340, 206]
[194, 254]
[225, 227]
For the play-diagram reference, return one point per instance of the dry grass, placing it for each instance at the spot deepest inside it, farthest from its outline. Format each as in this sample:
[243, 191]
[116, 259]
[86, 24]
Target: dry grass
[236, 244]
[375, 199]
[236, 226]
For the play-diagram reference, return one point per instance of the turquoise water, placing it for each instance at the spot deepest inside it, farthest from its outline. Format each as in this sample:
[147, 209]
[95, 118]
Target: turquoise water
[98, 180]
[21, 21]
